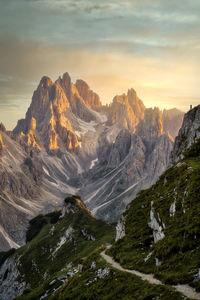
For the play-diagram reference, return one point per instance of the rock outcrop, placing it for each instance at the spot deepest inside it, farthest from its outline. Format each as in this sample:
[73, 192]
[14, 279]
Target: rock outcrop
[90, 98]
[10, 285]
[188, 134]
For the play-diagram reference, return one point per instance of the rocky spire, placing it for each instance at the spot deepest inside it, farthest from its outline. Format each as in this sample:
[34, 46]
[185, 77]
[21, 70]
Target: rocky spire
[2, 127]
[90, 98]
[127, 110]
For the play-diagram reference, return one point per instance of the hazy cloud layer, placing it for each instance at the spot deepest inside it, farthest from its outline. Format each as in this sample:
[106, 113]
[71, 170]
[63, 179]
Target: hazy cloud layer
[152, 46]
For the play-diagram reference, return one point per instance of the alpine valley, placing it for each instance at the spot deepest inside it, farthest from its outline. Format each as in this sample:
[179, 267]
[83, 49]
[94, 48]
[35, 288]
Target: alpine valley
[69, 144]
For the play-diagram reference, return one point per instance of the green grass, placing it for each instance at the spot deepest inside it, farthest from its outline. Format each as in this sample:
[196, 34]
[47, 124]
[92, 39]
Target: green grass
[38, 261]
[116, 285]
[179, 250]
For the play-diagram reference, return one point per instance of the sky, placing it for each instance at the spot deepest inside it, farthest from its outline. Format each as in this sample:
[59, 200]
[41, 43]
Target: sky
[152, 46]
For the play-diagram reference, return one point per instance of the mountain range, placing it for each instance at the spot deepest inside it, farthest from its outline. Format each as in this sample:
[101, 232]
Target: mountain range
[155, 254]
[69, 143]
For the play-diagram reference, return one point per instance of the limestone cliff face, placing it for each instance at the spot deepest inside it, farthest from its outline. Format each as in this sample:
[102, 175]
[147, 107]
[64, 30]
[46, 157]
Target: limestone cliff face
[90, 98]
[30, 139]
[120, 149]
[47, 117]
[134, 161]
[188, 134]
[78, 105]
[126, 110]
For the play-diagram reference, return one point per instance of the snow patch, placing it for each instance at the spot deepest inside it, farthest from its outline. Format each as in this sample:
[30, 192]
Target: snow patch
[86, 126]
[46, 171]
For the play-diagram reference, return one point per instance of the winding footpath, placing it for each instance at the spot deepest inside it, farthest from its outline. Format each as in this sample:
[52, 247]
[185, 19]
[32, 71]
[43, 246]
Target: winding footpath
[185, 289]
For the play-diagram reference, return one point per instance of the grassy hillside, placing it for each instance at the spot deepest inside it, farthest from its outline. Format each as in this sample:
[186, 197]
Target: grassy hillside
[56, 245]
[99, 281]
[174, 201]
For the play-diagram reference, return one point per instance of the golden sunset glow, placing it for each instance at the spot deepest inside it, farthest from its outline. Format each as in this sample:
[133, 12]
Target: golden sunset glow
[151, 46]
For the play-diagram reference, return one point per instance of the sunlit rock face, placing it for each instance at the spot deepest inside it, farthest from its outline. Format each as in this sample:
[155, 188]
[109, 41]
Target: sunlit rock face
[1, 143]
[69, 143]
[90, 98]
[126, 110]
[2, 130]
[47, 117]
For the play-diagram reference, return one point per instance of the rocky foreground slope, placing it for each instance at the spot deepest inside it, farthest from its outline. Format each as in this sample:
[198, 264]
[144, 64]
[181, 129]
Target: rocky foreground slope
[69, 143]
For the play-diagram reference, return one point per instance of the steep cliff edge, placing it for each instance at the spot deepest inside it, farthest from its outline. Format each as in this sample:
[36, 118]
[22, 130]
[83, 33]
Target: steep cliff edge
[188, 134]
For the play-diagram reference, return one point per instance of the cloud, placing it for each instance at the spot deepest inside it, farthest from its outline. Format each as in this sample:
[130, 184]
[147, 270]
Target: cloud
[152, 46]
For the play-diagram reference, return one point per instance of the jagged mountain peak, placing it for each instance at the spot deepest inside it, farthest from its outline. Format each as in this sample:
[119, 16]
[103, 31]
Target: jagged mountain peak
[54, 113]
[2, 127]
[126, 110]
[90, 98]
[66, 83]
[45, 82]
